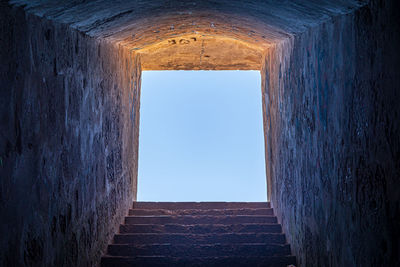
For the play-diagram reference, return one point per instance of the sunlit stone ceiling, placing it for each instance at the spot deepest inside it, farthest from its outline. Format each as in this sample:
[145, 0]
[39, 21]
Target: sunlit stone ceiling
[192, 34]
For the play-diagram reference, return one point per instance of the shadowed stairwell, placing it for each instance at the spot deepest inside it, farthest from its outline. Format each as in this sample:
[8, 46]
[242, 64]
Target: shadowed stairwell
[199, 234]
[70, 77]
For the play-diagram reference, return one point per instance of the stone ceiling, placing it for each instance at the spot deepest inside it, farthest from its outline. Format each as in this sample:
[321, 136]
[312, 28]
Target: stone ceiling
[192, 34]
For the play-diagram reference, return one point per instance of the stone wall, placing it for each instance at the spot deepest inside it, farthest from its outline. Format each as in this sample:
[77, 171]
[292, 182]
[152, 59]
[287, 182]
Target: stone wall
[332, 138]
[68, 146]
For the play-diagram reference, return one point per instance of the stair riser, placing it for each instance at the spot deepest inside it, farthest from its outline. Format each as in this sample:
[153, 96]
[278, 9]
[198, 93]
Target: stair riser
[202, 212]
[200, 219]
[201, 229]
[199, 250]
[199, 239]
[209, 262]
[200, 205]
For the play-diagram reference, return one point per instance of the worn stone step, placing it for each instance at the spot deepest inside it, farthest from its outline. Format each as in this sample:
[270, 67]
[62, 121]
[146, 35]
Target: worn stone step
[187, 219]
[241, 211]
[199, 205]
[176, 238]
[199, 250]
[156, 261]
[202, 228]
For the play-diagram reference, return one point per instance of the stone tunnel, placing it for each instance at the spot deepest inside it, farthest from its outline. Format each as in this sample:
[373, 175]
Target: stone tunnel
[70, 97]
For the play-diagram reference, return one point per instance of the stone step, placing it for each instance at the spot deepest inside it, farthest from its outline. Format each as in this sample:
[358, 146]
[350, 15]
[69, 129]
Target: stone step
[176, 238]
[199, 234]
[201, 219]
[199, 250]
[199, 205]
[238, 211]
[202, 228]
[155, 261]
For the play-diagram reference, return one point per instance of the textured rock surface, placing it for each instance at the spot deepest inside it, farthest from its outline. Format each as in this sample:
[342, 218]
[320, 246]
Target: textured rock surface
[68, 142]
[192, 34]
[332, 139]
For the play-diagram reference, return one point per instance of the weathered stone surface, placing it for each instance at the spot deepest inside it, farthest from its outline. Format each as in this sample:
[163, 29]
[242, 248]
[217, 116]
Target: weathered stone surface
[192, 34]
[274, 261]
[242, 211]
[199, 250]
[202, 228]
[202, 219]
[201, 52]
[68, 145]
[180, 238]
[208, 239]
[332, 139]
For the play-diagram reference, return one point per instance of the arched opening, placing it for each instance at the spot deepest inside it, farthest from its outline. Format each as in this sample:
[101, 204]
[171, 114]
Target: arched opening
[197, 42]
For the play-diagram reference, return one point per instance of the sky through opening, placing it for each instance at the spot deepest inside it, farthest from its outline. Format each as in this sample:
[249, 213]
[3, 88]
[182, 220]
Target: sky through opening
[201, 137]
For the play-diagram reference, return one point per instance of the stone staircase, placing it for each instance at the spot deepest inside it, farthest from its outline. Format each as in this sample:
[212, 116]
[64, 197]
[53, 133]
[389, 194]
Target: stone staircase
[199, 234]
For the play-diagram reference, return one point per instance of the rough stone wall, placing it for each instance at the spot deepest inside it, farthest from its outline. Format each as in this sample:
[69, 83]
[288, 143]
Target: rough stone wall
[332, 138]
[68, 146]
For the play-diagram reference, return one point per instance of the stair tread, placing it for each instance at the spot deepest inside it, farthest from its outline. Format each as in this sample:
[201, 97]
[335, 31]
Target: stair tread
[198, 205]
[196, 235]
[181, 238]
[240, 211]
[194, 209]
[203, 228]
[208, 224]
[265, 261]
[202, 245]
[200, 216]
[216, 249]
[196, 219]
[206, 257]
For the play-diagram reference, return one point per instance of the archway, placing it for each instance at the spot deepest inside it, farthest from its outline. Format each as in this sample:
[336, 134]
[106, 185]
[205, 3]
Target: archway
[192, 42]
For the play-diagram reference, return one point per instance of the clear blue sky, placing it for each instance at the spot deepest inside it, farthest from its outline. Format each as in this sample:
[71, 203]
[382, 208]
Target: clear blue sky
[201, 136]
